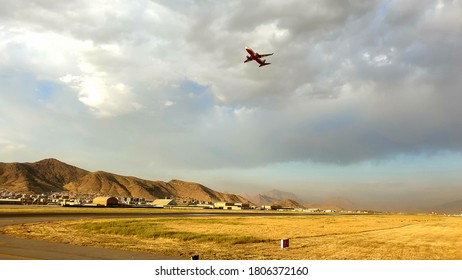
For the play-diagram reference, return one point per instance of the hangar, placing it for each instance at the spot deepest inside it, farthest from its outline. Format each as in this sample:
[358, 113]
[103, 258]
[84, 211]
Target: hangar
[106, 201]
[165, 203]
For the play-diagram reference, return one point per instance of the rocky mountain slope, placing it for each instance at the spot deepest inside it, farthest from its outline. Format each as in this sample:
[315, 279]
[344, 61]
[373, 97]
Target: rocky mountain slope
[51, 175]
[288, 203]
[288, 199]
[270, 197]
[47, 175]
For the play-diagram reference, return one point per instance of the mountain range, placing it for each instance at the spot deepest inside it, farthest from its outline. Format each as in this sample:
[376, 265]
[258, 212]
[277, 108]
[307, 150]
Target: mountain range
[272, 197]
[453, 207]
[288, 199]
[52, 175]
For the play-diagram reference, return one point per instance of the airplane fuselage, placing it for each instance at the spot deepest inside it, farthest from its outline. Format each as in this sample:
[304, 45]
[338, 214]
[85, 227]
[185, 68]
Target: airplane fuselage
[257, 57]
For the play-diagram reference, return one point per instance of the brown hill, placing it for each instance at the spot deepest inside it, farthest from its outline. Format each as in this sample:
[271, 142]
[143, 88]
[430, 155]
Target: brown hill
[261, 199]
[39, 177]
[189, 190]
[270, 197]
[104, 183]
[51, 175]
[288, 203]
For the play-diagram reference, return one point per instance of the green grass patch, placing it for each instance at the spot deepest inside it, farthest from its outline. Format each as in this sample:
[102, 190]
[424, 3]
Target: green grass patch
[156, 229]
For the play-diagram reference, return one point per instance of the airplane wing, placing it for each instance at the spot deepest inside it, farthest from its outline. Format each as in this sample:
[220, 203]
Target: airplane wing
[248, 59]
[263, 55]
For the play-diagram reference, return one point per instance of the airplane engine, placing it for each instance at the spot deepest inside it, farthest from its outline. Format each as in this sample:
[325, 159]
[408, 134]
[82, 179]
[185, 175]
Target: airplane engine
[264, 61]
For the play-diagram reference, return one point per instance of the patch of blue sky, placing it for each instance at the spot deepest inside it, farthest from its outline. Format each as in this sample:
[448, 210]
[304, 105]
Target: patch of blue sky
[383, 9]
[46, 89]
[194, 95]
[191, 87]
[442, 162]
[186, 102]
[376, 28]
[26, 85]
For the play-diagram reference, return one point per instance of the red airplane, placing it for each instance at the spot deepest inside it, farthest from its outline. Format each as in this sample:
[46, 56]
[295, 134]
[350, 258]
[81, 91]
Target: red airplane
[257, 57]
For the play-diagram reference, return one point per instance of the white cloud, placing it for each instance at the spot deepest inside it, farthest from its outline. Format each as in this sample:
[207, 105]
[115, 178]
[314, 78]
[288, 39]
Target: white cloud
[105, 99]
[169, 103]
[378, 60]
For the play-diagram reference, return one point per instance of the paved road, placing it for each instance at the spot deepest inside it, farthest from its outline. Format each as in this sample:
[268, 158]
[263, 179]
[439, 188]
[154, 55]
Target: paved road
[12, 248]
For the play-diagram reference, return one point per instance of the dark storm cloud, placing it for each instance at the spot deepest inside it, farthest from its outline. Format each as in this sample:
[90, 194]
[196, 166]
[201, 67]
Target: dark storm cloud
[383, 61]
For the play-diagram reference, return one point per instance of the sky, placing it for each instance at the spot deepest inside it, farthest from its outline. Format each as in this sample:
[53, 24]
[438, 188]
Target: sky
[361, 101]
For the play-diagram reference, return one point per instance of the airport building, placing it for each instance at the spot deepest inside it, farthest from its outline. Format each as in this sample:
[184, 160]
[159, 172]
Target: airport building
[106, 201]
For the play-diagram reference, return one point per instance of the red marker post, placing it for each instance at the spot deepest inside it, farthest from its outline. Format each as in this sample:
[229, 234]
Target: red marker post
[285, 243]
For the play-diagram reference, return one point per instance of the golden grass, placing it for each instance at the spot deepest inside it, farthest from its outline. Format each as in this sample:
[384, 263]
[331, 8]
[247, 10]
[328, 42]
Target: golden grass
[378, 237]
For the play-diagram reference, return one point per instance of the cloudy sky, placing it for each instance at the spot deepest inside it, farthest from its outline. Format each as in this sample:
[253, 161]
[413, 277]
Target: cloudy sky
[362, 99]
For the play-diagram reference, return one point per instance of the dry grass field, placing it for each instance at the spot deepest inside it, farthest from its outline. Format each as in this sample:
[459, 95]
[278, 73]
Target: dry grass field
[318, 237]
